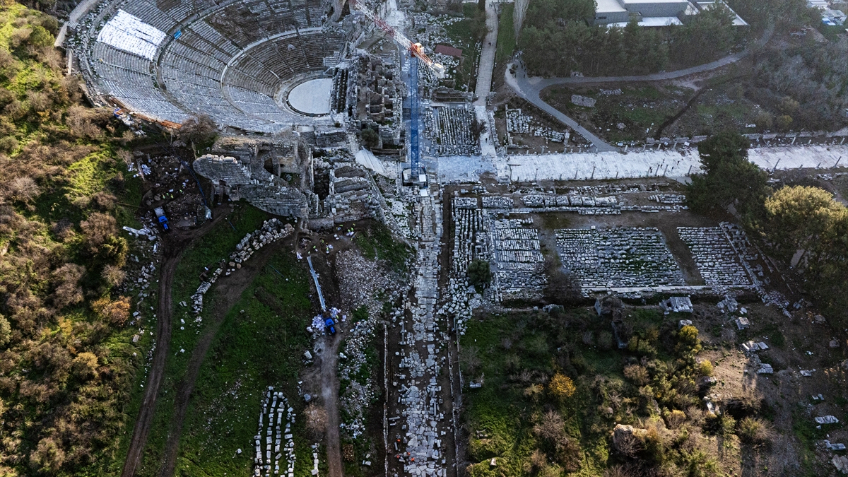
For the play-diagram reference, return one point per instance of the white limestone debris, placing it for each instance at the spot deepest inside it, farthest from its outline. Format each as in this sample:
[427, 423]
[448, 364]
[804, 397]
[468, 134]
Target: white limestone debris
[715, 257]
[618, 257]
[833, 446]
[677, 304]
[751, 346]
[274, 443]
[841, 463]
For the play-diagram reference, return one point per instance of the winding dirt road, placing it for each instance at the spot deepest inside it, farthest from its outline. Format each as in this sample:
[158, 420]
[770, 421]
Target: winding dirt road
[172, 247]
[228, 290]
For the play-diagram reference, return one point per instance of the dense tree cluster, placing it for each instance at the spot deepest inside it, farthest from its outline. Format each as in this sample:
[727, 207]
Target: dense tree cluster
[728, 178]
[62, 382]
[808, 221]
[479, 274]
[782, 15]
[814, 75]
[558, 38]
[794, 221]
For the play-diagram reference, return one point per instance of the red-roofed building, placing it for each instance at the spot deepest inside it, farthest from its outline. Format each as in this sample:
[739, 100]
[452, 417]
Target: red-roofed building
[449, 50]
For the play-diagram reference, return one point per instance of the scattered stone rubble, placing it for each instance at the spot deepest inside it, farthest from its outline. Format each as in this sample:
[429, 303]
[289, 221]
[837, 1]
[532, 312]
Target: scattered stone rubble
[676, 199]
[517, 259]
[765, 368]
[677, 304]
[833, 446]
[450, 130]
[751, 346]
[518, 123]
[357, 396]
[275, 419]
[400, 211]
[362, 283]
[826, 420]
[841, 463]
[138, 280]
[584, 101]
[715, 257]
[618, 257]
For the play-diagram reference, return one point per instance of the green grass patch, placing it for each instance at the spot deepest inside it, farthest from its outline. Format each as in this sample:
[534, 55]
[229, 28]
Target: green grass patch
[805, 430]
[208, 252]
[506, 35]
[774, 335]
[253, 350]
[215, 247]
[377, 243]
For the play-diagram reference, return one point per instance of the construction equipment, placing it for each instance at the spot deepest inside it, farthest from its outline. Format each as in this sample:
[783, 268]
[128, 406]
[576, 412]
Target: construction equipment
[414, 49]
[163, 220]
[416, 52]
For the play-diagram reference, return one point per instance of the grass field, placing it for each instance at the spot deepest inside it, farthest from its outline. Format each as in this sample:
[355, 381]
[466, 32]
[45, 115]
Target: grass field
[554, 385]
[255, 349]
[207, 252]
[640, 109]
[506, 35]
[378, 243]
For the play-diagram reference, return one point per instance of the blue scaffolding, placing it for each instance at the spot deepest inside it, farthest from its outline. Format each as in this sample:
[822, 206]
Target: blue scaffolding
[414, 153]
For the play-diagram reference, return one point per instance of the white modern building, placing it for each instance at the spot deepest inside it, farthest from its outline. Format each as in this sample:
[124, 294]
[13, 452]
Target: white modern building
[651, 13]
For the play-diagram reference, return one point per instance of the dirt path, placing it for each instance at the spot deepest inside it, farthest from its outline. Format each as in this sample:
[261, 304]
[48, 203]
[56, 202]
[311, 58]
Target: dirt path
[228, 290]
[330, 396]
[172, 248]
[327, 360]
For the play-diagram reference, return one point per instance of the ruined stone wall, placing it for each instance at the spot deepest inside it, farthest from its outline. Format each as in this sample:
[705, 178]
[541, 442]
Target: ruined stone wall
[253, 183]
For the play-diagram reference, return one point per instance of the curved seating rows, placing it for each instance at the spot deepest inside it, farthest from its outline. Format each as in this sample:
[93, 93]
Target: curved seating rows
[227, 61]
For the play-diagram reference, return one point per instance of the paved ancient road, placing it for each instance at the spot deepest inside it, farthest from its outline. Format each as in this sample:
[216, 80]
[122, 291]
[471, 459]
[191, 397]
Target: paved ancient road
[484, 83]
[487, 56]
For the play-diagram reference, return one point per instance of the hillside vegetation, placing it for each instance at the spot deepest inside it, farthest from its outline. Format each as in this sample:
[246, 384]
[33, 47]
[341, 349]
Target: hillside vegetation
[66, 362]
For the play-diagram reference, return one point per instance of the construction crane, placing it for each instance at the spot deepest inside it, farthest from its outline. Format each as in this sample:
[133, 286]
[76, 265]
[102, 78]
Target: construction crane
[416, 53]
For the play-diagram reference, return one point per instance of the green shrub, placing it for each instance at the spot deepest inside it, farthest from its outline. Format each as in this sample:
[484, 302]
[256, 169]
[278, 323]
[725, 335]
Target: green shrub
[604, 340]
[752, 431]
[479, 274]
